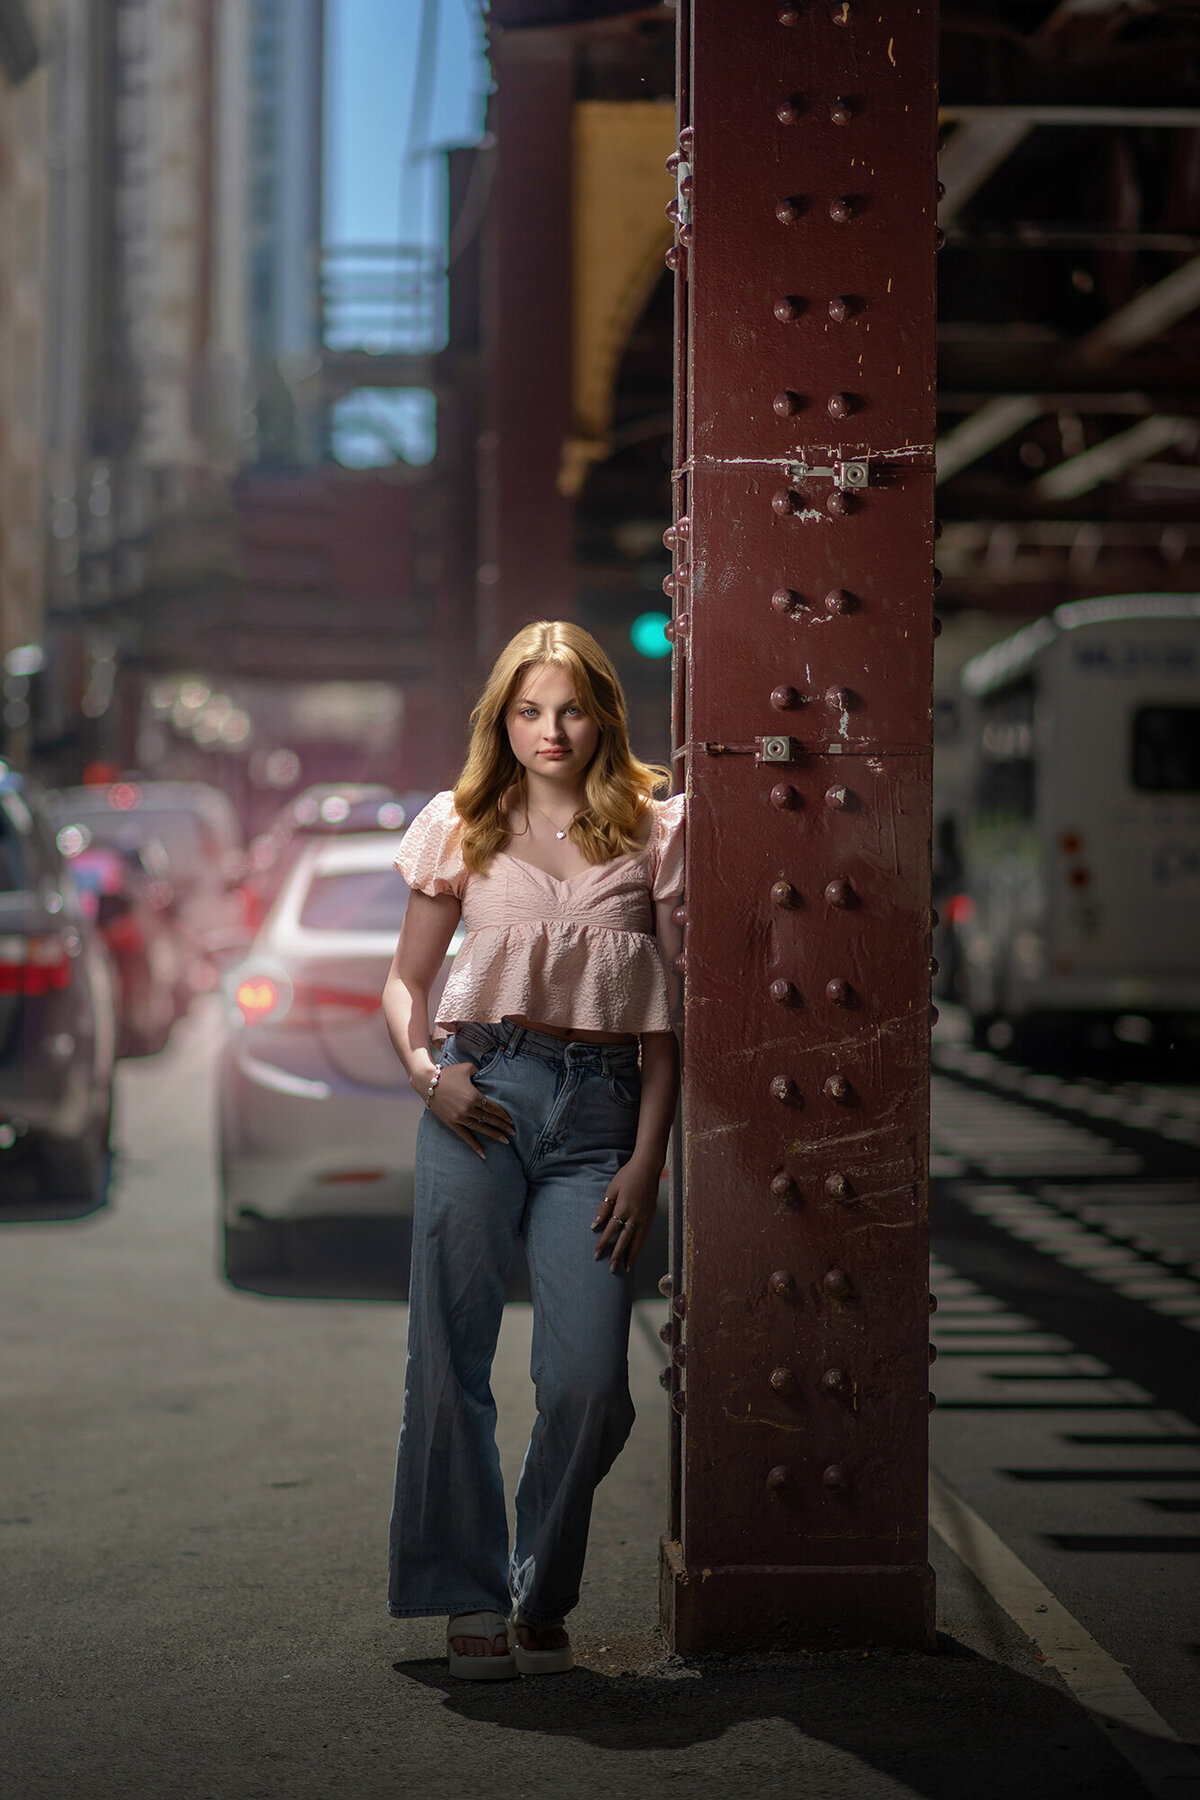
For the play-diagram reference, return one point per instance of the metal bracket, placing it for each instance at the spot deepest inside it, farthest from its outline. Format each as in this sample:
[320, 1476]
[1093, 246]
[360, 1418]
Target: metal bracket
[763, 749]
[779, 749]
[683, 201]
[850, 473]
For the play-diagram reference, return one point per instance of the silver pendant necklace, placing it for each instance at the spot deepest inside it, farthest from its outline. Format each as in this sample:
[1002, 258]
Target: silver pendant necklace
[550, 822]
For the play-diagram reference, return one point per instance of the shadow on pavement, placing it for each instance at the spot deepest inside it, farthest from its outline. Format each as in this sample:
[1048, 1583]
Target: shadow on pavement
[23, 1200]
[1153, 1349]
[368, 1259]
[950, 1725]
[1082, 1054]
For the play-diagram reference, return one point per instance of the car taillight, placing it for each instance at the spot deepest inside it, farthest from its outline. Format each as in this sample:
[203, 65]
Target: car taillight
[38, 964]
[269, 996]
[333, 1003]
[257, 997]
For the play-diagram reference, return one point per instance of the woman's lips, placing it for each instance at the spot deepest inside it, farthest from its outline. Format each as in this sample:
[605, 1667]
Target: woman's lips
[554, 755]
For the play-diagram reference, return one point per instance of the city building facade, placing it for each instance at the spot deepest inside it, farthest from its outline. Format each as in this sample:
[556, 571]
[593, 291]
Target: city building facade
[24, 230]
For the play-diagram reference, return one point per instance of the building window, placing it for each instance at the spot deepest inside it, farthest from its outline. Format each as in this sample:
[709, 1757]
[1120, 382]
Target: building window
[372, 428]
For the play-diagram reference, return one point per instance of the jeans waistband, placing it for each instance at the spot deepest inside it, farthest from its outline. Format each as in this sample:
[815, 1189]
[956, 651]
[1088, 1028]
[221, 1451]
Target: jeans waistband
[518, 1040]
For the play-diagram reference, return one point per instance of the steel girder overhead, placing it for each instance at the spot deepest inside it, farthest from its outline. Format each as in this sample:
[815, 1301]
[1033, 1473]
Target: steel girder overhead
[1069, 337]
[1069, 284]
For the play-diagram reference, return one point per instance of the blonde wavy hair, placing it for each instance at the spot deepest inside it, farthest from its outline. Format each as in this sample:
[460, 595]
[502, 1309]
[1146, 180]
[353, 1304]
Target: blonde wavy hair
[617, 787]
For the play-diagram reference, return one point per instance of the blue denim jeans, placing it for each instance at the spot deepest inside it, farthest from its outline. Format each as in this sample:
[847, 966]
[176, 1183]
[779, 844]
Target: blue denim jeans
[575, 1109]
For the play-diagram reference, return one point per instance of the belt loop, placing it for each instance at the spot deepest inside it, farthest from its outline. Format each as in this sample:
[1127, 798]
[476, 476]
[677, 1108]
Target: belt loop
[514, 1042]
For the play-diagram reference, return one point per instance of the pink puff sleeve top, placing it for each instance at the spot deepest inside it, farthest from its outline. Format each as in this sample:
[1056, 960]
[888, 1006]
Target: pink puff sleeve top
[580, 953]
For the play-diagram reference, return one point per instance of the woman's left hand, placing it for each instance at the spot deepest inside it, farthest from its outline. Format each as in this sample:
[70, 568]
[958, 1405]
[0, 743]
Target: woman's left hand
[626, 1214]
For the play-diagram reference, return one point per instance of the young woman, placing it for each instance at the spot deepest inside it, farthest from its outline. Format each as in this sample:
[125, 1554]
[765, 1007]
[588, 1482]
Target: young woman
[547, 1117]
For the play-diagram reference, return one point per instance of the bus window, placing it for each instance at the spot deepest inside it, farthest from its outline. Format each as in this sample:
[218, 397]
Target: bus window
[1006, 789]
[1166, 749]
[1005, 783]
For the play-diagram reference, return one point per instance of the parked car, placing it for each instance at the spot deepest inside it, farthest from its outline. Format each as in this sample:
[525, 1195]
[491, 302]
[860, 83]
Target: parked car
[199, 829]
[325, 810]
[317, 1118]
[126, 890]
[58, 1023]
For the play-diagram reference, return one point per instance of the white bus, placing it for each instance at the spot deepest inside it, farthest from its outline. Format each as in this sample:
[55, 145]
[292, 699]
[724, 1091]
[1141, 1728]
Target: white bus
[1081, 898]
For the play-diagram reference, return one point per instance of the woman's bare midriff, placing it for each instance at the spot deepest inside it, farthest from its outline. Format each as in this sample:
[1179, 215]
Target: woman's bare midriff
[569, 1033]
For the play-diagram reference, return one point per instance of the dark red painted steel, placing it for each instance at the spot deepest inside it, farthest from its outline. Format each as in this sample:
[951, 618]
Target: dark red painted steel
[679, 664]
[800, 1289]
[526, 568]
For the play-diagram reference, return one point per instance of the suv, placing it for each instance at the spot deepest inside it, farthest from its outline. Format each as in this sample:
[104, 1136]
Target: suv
[57, 1011]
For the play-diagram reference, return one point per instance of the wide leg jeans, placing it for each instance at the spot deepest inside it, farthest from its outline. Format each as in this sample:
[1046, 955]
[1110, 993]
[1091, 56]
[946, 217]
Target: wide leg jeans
[575, 1108]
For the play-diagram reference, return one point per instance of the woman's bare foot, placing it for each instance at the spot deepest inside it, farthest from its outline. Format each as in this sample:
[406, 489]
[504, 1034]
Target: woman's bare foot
[477, 1646]
[542, 1637]
[543, 1647]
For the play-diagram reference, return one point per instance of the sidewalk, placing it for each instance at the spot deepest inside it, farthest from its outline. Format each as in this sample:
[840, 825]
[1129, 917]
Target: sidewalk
[147, 1662]
[983, 1718]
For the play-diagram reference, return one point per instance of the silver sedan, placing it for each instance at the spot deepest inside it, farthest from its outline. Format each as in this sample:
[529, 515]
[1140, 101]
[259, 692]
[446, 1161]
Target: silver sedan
[317, 1118]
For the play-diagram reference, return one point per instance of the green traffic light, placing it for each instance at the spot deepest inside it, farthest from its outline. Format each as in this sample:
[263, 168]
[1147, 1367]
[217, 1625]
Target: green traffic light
[648, 634]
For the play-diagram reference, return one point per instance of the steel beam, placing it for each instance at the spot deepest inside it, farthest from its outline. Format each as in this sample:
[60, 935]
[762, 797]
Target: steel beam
[994, 423]
[1141, 319]
[988, 135]
[803, 599]
[526, 525]
[1023, 565]
[1106, 460]
[1024, 234]
[1118, 118]
[975, 151]
[1138, 402]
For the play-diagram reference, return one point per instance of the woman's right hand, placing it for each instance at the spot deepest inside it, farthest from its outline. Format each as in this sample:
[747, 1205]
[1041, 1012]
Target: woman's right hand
[458, 1103]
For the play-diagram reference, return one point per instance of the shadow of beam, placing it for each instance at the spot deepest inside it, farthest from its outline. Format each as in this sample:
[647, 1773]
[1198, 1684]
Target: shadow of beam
[948, 1725]
[369, 1259]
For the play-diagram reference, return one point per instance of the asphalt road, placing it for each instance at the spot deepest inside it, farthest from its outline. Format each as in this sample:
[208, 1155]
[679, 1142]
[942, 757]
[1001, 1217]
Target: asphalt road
[1066, 1231]
[193, 1503]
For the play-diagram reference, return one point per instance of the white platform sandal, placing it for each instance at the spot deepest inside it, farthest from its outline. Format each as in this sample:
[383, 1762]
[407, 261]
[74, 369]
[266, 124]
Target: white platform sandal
[542, 1662]
[490, 1667]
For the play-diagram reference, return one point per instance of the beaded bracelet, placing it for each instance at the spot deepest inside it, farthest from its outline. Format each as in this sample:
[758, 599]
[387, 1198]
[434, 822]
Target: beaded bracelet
[431, 1090]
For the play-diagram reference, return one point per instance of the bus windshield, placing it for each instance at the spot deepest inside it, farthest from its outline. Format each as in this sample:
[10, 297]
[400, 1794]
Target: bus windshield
[1166, 749]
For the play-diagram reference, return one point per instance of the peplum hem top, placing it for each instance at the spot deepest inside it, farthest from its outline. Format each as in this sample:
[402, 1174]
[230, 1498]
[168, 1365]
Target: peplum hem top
[580, 954]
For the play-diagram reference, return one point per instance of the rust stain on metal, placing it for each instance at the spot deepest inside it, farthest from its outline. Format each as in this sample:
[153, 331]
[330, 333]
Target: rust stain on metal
[792, 1425]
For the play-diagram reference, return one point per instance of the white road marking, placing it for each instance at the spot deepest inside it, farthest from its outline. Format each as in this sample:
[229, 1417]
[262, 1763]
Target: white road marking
[1003, 1137]
[1169, 1768]
[1157, 1107]
[997, 1358]
[1071, 1227]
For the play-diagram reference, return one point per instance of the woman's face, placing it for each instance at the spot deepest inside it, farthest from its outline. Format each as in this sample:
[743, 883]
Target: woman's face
[549, 734]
